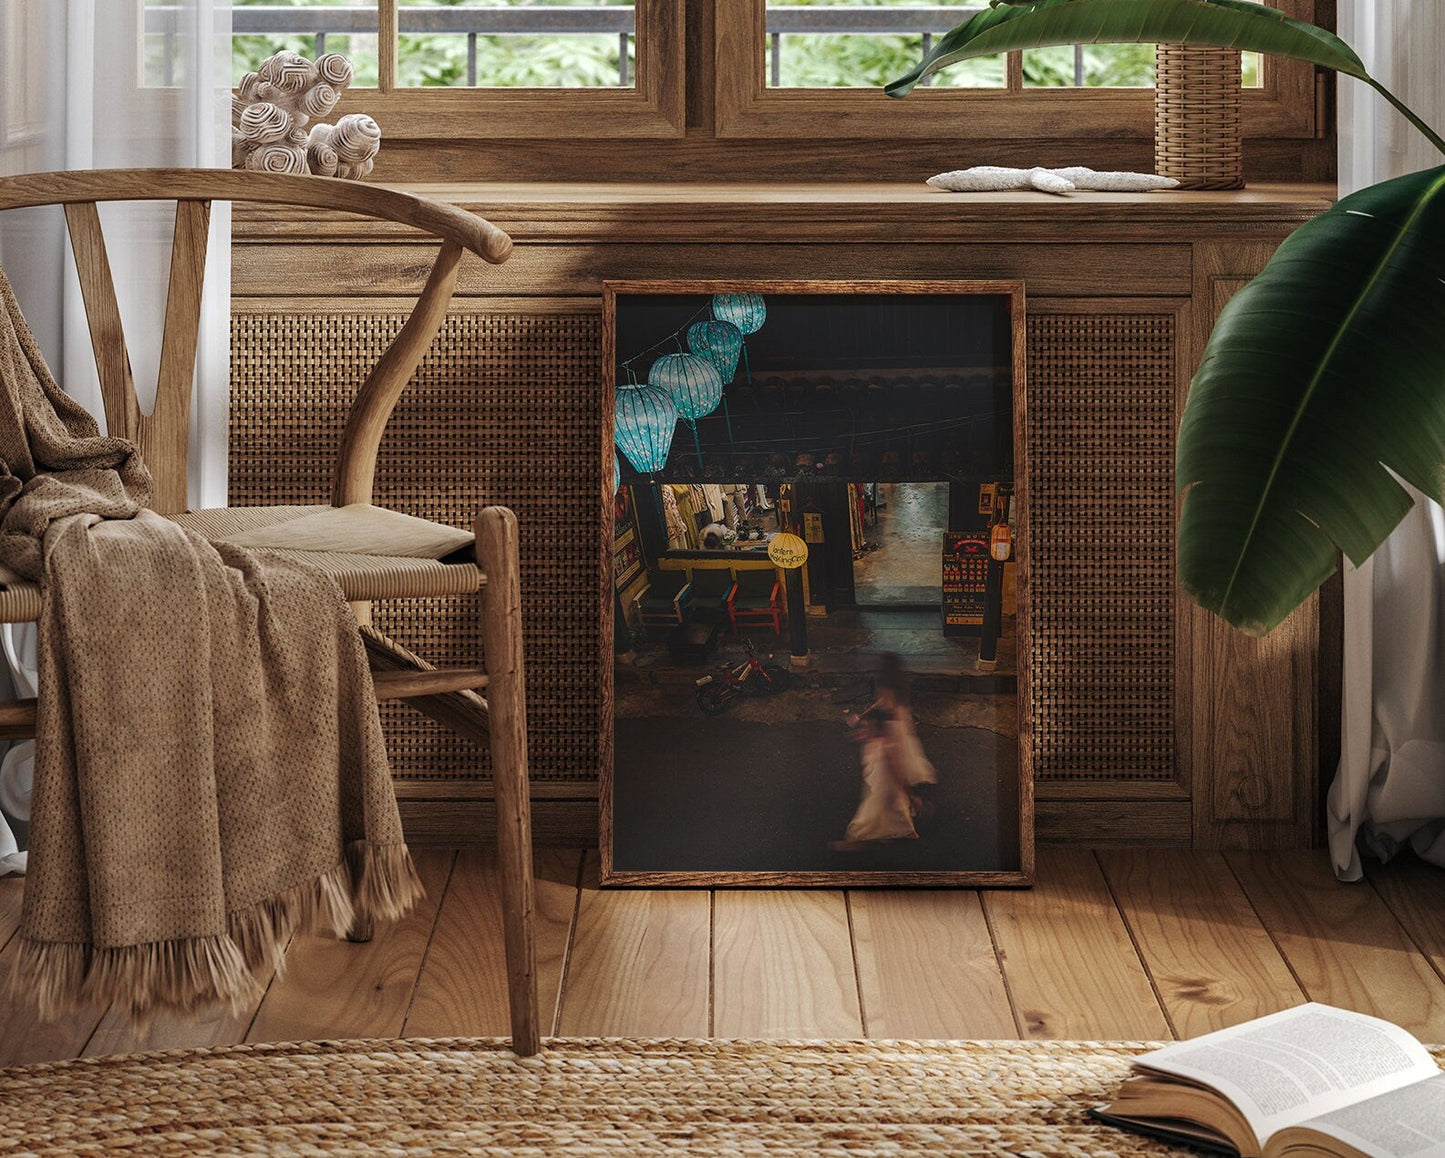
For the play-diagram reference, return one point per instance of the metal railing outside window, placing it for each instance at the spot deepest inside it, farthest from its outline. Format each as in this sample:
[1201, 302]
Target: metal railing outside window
[791, 21]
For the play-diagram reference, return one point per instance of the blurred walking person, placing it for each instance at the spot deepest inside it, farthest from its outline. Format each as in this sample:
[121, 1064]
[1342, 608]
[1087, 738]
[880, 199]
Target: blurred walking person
[898, 778]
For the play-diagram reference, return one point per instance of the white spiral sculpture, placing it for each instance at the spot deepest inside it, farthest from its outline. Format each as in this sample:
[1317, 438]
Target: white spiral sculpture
[273, 106]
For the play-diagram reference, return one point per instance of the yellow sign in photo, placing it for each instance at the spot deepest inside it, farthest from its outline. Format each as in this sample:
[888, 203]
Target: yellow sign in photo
[788, 551]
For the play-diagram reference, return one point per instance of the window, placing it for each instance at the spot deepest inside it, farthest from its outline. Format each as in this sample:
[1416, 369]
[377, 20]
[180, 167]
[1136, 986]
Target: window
[445, 69]
[536, 71]
[822, 44]
[788, 68]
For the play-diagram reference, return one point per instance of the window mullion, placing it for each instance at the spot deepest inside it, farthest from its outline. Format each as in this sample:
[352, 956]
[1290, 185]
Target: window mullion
[386, 45]
[1014, 71]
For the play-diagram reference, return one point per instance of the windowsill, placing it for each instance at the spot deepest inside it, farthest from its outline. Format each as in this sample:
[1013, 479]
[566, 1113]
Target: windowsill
[874, 211]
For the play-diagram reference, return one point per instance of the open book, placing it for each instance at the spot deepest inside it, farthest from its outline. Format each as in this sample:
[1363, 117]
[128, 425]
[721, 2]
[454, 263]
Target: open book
[1313, 1080]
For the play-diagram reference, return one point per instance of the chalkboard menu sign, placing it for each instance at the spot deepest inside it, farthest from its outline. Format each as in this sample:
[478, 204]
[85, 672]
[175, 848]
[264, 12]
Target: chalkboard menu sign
[965, 578]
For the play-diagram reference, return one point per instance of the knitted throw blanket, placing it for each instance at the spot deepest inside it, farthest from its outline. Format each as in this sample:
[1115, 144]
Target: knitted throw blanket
[210, 774]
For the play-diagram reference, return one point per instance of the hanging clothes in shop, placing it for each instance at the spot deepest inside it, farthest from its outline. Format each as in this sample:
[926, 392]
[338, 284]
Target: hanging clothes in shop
[713, 496]
[857, 506]
[672, 518]
[735, 506]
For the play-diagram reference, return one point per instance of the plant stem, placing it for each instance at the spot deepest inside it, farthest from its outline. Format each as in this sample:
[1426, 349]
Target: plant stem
[1404, 110]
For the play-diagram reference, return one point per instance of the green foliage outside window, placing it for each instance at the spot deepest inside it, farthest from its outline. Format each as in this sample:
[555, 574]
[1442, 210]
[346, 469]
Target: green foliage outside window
[582, 61]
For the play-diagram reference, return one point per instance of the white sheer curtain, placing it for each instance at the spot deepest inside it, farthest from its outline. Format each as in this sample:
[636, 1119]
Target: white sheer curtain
[74, 94]
[1390, 787]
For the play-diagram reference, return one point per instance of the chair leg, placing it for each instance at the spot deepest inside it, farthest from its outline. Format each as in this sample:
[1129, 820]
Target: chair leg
[496, 531]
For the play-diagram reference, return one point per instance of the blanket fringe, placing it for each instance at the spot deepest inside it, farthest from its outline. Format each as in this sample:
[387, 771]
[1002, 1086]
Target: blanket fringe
[384, 882]
[182, 975]
[262, 931]
[376, 881]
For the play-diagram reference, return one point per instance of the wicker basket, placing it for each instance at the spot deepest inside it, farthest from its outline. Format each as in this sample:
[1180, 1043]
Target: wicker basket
[1198, 116]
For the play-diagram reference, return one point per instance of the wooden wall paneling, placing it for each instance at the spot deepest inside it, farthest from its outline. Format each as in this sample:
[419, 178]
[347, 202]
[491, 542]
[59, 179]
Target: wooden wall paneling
[1069, 915]
[282, 270]
[555, 823]
[333, 988]
[1252, 715]
[783, 965]
[639, 964]
[1211, 960]
[1342, 941]
[1159, 823]
[461, 990]
[676, 212]
[1112, 316]
[927, 966]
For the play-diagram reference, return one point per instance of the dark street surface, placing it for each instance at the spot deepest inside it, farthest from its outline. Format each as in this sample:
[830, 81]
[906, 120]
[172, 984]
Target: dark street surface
[698, 793]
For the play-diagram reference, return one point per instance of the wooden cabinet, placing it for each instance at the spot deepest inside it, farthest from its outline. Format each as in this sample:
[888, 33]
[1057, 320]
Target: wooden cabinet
[1153, 724]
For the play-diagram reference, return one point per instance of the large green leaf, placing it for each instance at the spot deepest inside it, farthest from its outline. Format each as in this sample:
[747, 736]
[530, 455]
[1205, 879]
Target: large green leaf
[1323, 375]
[1223, 23]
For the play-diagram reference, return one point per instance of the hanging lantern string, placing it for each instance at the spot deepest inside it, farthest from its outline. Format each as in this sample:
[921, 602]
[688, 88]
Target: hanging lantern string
[943, 424]
[675, 337]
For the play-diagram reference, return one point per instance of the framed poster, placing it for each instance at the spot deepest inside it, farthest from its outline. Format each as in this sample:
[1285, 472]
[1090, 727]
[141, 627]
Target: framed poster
[809, 680]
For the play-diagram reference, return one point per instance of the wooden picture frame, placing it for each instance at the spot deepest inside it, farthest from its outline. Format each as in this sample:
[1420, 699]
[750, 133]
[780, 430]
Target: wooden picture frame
[1015, 850]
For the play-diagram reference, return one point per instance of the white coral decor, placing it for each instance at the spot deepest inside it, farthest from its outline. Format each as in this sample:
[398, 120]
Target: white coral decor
[993, 179]
[273, 106]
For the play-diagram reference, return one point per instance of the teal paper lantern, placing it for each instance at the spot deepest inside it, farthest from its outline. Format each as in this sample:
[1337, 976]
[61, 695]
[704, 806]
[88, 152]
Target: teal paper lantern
[694, 383]
[721, 343]
[646, 418]
[616, 473]
[747, 312]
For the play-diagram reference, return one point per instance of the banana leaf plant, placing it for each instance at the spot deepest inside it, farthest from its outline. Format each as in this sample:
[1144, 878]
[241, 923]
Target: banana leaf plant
[1323, 382]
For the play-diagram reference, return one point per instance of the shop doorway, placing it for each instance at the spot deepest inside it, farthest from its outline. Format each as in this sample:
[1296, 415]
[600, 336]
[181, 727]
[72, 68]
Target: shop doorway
[901, 562]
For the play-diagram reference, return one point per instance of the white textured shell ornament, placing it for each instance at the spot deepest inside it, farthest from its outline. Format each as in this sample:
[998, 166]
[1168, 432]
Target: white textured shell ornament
[273, 107]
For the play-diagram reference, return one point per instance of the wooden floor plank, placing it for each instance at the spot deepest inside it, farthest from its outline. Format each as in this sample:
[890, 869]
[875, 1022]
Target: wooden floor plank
[24, 1038]
[12, 890]
[462, 991]
[1223, 937]
[927, 967]
[117, 1033]
[783, 965]
[333, 988]
[1342, 941]
[639, 963]
[1071, 969]
[1415, 892]
[1212, 962]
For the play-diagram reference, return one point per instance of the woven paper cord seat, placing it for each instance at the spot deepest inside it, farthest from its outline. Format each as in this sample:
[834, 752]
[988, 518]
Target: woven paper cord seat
[360, 576]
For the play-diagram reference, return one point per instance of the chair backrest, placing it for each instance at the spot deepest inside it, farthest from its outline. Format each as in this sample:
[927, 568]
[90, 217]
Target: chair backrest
[162, 434]
[711, 582]
[666, 583]
[756, 581]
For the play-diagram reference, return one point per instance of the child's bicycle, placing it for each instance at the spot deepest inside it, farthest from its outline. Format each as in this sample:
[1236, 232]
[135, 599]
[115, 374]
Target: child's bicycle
[753, 677]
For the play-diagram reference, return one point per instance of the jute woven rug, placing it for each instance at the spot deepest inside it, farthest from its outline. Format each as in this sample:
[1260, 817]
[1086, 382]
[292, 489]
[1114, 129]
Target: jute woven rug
[588, 1096]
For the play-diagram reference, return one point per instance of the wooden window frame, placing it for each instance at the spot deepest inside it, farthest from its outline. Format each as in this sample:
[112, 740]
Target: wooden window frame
[1284, 106]
[653, 107]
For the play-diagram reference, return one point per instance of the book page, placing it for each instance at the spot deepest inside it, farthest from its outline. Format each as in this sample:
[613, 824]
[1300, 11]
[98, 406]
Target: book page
[1302, 1063]
[1405, 1123]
